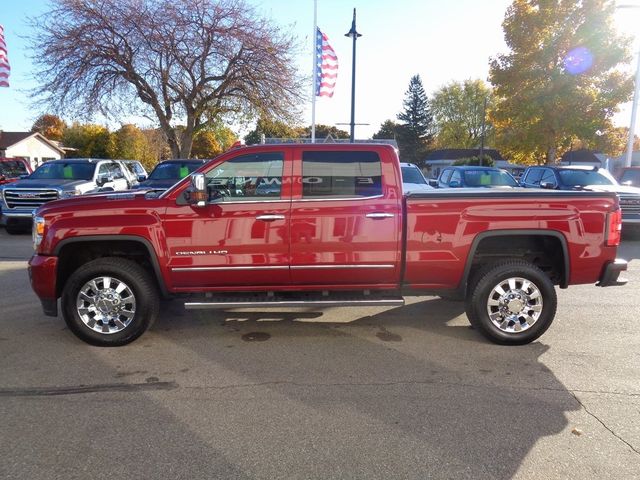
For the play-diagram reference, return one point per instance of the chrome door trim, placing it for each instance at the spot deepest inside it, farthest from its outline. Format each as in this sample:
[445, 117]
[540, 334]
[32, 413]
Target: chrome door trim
[302, 267]
[206, 269]
[335, 199]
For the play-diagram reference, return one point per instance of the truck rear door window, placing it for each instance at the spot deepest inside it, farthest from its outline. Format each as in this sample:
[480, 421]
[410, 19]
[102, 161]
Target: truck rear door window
[341, 174]
[251, 177]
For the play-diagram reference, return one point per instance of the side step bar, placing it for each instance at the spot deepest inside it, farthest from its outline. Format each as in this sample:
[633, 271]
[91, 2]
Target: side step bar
[379, 302]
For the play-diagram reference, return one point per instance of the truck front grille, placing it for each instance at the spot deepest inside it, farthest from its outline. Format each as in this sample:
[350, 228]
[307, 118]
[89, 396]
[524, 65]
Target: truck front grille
[29, 198]
[630, 205]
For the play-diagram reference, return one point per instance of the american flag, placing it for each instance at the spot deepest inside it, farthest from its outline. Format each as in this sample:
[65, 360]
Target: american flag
[327, 68]
[5, 69]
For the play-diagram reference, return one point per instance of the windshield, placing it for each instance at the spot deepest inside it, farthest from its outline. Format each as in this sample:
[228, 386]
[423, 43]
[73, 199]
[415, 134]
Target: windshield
[582, 178]
[173, 170]
[12, 169]
[64, 171]
[487, 178]
[631, 176]
[412, 175]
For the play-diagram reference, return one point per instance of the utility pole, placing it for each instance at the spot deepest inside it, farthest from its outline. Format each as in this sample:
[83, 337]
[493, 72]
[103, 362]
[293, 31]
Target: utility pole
[353, 33]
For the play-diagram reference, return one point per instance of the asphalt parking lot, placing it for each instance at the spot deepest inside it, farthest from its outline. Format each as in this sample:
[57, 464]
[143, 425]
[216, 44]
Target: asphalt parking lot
[372, 393]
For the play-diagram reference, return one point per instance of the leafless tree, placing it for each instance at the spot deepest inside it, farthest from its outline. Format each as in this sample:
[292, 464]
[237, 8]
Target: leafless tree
[179, 62]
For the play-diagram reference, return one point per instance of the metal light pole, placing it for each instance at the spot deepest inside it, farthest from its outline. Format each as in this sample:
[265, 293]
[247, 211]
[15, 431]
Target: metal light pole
[634, 108]
[634, 111]
[484, 116]
[353, 33]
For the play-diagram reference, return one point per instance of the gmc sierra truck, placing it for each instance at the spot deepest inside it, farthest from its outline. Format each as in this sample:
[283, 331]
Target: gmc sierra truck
[318, 226]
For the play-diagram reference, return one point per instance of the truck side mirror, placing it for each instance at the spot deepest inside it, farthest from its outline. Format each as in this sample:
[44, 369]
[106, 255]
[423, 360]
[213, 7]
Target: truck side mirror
[547, 185]
[142, 178]
[198, 192]
[101, 180]
[433, 182]
[454, 184]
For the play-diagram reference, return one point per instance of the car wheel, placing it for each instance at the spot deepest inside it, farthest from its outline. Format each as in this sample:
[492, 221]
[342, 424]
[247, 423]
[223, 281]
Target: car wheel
[110, 301]
[512, 303]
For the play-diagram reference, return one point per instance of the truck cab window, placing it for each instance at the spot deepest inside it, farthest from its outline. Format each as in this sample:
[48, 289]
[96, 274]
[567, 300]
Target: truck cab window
[341, 174]
[247, 177]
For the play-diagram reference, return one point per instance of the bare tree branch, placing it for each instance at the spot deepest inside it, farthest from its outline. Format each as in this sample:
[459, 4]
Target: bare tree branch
[181, 62]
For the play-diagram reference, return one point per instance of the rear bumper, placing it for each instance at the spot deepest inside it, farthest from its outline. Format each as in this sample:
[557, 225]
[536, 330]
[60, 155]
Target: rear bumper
[611, 274]
[42, 275]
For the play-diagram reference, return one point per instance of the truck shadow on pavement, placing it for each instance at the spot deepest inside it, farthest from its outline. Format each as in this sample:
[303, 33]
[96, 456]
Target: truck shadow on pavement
[402, 380]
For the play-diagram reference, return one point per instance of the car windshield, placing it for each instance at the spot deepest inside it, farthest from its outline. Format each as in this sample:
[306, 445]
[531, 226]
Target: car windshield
[12, 169]
[64, 171]
[631, 176]
[173, 170]
[412, 175]
[582, 178]
[488, 178]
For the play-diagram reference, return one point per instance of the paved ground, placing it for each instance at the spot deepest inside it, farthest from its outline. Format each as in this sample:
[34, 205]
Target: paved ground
[407, 392]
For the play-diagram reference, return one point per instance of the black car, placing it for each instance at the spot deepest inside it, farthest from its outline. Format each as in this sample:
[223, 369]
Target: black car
[578, 177]
[168, 173]
[474, 177]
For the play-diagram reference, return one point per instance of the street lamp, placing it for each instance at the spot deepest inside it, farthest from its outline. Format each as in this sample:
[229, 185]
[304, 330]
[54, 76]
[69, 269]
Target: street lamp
[353, 33]
[634, 107]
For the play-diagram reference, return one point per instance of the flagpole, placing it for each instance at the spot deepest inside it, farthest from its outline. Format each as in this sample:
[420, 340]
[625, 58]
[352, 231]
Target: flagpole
[314, 71]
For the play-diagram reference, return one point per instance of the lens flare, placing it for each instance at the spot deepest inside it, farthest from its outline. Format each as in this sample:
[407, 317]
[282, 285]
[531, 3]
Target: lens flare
[578, 60]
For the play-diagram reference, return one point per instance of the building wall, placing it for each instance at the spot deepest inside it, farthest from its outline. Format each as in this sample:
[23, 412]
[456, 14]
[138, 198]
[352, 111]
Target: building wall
[33, 149]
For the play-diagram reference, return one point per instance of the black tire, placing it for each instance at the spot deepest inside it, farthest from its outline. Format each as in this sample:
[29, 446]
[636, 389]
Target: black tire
[479, 294]
[141, 285]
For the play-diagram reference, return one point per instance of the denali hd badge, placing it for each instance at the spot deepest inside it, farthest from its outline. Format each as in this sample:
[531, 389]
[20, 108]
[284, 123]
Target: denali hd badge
[193, 253]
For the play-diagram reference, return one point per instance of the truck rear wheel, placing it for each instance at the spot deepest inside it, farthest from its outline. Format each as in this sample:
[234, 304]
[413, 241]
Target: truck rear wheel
[110, 301]
[512, 303]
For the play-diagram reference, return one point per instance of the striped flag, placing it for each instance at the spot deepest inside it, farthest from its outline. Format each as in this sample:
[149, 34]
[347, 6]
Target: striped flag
[327, 66]
[5, 69]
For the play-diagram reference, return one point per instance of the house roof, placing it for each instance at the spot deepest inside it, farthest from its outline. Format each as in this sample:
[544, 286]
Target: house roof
[458, 153]
[581, 156]
[10, 138]
[7, 139]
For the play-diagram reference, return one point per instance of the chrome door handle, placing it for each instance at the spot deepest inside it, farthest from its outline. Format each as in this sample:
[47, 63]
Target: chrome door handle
[379, 215]
[269, 218]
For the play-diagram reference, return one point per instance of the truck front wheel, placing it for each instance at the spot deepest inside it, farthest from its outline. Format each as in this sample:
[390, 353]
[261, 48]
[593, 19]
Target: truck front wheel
[512, 303]
[110, 301]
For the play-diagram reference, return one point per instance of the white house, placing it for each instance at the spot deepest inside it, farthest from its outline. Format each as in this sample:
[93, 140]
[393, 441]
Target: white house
[29, 145]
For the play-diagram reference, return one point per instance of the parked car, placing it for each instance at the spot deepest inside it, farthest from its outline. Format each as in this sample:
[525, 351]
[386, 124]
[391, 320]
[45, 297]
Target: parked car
[412, 179]
[57, 179]
[165, 174]
[11, 169]
[339, 233]
[579, 177]
[474, 177]
[630, 176]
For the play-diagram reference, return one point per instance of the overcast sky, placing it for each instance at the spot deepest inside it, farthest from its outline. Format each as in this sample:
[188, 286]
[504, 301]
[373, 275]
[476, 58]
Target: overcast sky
[440, 40]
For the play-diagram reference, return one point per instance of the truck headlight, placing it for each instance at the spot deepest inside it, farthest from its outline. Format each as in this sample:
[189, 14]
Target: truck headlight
[37, 231]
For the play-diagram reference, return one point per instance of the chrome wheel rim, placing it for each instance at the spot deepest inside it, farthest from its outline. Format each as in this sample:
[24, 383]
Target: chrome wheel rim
[106, 305]
[514, 305]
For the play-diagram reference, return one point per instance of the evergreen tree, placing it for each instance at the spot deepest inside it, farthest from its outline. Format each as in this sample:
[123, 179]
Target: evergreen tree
[416, 116]
[415, 133]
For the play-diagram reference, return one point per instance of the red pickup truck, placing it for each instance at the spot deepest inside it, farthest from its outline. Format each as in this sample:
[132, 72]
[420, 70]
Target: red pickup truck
[318, 225]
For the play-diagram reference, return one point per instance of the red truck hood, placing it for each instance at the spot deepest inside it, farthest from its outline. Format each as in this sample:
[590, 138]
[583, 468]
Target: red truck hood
[97, 201]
